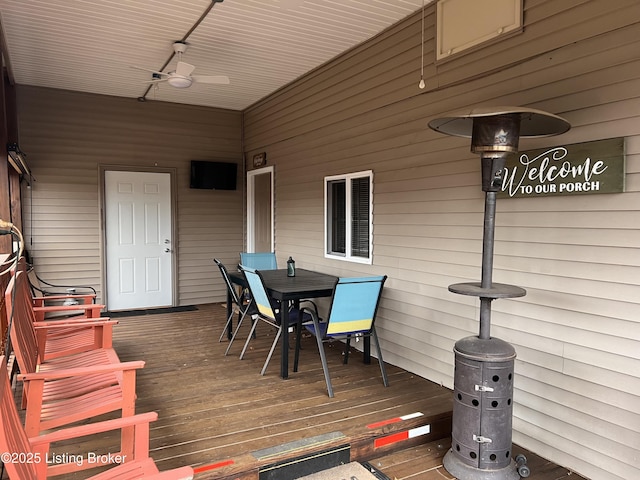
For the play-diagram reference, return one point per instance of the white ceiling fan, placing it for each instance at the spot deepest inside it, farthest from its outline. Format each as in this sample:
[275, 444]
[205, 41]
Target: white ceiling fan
[181, 77]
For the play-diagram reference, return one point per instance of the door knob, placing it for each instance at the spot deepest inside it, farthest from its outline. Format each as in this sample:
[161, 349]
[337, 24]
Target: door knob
[167, 250]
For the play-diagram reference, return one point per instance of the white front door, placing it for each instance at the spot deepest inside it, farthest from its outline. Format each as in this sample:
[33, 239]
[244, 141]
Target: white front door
[139, 247]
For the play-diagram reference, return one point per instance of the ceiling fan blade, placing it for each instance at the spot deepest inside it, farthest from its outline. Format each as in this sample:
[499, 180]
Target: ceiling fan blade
[148, 70]
[219, 79]
[184, 69]
[158, 80]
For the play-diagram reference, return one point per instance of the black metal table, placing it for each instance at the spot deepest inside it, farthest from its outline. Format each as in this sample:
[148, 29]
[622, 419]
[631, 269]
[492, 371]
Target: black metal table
[306, 284]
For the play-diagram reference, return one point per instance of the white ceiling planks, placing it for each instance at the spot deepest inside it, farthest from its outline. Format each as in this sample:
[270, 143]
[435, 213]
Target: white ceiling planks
[261, 45]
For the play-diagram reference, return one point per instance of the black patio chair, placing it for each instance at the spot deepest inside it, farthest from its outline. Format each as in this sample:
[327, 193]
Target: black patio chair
[239, 305]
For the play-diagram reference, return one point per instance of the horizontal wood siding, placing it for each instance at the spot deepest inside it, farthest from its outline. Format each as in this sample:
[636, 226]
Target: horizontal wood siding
[577, 331]
[68, 136]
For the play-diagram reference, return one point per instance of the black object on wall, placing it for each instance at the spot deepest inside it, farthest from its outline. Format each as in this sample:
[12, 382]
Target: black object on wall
[213, 175]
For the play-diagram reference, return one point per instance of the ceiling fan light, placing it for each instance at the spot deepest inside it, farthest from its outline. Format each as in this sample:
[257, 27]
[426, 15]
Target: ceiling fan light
[179, 82]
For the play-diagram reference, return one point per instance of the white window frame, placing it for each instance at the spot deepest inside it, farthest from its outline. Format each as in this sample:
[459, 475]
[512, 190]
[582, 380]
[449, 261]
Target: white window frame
[327, 231]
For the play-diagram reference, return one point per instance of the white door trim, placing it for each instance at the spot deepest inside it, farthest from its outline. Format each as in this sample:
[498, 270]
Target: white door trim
[250, 206]
[103, 238]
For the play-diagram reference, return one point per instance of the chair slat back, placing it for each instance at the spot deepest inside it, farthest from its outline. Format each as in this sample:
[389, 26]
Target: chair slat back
[23, 334]
[13, 438]
[259, 260]
[258, 292]
[227, 281]
[354, 305]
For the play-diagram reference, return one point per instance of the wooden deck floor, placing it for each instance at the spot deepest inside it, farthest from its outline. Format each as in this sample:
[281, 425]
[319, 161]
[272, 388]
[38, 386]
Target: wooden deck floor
[219, 415]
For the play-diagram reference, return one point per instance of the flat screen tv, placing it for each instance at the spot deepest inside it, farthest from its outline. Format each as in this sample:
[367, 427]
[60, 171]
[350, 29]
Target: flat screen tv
[213, 175]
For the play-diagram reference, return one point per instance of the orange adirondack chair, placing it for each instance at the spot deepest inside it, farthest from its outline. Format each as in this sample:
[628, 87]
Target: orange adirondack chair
[68, 388]
[57, 338]
[31, 453]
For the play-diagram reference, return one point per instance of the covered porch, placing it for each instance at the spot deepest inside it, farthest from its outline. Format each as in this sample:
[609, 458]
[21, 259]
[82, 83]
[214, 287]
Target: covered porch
[217, 414]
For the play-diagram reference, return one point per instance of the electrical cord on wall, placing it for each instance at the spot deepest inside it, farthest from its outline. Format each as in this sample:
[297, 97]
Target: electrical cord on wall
[10, 267]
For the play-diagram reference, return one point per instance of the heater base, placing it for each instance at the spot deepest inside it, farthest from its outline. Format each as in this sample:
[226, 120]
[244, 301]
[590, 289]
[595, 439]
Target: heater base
[462, 471]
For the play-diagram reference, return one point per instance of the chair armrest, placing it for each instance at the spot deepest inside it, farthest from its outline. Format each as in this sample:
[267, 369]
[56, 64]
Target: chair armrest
[49, 296]
[81, 371]
[71, 308]
[93, 428]
[140, 423]
[75, 322]
[313, 304]
[84, 299]
[91, 310]
[311, 311]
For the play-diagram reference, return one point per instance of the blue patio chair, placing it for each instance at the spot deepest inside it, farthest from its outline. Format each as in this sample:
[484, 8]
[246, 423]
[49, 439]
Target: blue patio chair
[267, 311]
[259, 260]
[239, 305]
[352, 313]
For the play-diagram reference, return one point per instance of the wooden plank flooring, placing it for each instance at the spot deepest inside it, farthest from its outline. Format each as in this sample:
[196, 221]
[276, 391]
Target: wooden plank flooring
[424, 462]
[217, 412]
[214, 408]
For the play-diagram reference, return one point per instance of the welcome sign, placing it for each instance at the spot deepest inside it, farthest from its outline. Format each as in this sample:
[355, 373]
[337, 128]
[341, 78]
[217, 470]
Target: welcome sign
[577, 169]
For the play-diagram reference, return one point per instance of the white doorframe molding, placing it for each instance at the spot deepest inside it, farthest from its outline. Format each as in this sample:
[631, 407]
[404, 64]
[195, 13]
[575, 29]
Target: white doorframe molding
[250, 206]
[103, 233]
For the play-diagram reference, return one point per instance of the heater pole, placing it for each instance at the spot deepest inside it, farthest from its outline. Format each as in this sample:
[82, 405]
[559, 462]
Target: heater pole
[488, 239]
[487, 263]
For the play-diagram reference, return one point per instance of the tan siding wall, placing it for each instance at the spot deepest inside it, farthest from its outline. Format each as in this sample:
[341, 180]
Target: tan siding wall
[577, 332]
[69, 135]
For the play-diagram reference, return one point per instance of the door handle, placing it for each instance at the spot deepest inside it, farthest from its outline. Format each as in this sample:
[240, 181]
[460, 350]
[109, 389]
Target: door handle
[167, 250]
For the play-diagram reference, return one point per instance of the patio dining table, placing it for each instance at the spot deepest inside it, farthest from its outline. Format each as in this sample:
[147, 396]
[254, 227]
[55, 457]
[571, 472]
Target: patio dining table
[306, 284]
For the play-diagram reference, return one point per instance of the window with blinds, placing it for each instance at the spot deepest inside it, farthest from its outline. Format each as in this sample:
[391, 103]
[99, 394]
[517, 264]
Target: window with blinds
[348, 216]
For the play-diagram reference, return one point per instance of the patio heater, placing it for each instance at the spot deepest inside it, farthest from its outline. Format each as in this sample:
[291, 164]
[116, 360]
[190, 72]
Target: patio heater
[484, 365]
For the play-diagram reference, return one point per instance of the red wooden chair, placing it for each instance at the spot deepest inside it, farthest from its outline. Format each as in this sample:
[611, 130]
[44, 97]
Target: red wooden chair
[31, 452]
[57, 338]
[68, 388]
[80, 338]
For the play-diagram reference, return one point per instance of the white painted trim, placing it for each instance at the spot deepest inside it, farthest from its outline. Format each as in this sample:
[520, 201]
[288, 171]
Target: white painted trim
[103, 238]
[347, 257]
[250, 210]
